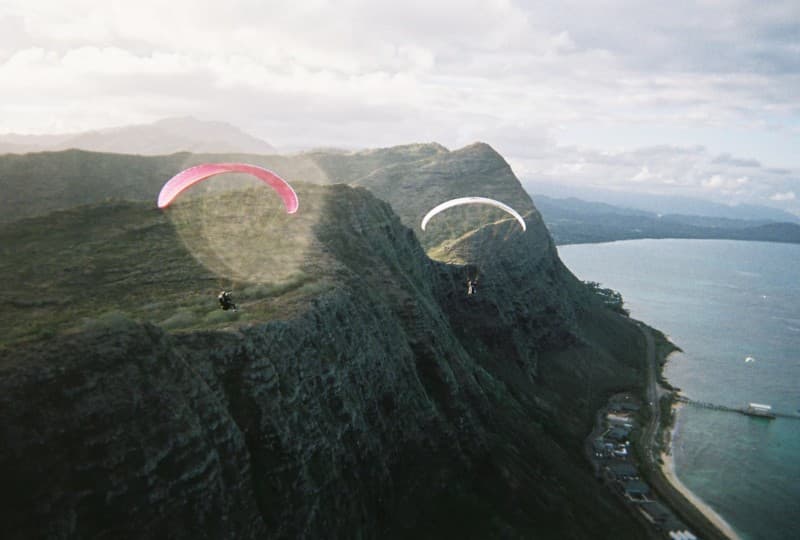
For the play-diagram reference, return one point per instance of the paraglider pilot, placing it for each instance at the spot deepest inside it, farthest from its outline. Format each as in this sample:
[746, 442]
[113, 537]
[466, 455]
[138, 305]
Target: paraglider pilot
[226, 301]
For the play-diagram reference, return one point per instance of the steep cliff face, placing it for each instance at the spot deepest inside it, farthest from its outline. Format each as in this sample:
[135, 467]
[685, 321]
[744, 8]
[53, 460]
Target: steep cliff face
[533, 323]
[385, 404]
[111, 433]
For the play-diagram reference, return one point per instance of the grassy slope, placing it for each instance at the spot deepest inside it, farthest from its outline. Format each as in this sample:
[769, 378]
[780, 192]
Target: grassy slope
[66, 269]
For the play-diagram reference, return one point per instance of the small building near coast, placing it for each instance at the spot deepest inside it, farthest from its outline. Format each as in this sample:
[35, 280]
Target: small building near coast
[624, 406]
[618, 434]
[682, 535]
[636, 490]
[656, 513]
[660, 516]
[619, 419]
[621, 471]
[602, 448]
[759, 409]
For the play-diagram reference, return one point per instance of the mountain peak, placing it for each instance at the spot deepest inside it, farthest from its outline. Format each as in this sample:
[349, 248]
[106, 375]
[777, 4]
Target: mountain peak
[165, 136]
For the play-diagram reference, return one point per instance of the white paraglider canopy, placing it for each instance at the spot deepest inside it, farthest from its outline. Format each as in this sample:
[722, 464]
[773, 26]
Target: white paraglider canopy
[471, 200]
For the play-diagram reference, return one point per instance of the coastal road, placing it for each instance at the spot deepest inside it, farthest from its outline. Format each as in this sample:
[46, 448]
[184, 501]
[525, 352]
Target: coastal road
[651, 429]
[688, 512]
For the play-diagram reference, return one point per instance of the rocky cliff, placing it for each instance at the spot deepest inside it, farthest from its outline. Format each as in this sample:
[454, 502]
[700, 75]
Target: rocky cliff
[382, 402]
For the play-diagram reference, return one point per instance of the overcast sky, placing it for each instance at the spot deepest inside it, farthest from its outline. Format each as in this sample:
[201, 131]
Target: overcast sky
[687, 98]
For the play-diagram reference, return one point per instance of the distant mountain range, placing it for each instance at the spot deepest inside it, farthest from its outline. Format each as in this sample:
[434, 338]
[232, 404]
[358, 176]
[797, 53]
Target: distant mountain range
[662, 204]
[575, 221]
[166, 136]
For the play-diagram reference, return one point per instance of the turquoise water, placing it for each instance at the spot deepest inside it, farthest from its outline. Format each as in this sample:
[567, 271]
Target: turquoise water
[722, 301]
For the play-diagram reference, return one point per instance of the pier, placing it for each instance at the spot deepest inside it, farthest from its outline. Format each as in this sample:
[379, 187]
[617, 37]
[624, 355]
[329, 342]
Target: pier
[740, 410]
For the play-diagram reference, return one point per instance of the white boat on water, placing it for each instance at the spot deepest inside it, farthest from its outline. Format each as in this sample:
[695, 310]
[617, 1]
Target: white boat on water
[759, 409]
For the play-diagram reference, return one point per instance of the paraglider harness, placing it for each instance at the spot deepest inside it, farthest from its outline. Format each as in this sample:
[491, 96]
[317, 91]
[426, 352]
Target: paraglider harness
[226, 301]
[471, 284]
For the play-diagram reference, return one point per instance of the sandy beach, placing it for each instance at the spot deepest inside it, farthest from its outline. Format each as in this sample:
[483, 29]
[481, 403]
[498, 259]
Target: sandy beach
[668, 468]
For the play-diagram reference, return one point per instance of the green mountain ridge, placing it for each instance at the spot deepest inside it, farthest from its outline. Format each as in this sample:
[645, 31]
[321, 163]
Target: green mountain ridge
[358, 392]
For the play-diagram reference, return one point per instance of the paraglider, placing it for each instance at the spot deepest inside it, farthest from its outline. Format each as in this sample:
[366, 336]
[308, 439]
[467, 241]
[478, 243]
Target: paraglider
[226, 301]
[471, 284]
[191, 176]
[472, 280]
[471, 200]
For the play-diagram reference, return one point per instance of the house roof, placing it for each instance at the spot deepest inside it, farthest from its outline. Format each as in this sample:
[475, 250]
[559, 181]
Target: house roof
[636, 487]
[623, 469]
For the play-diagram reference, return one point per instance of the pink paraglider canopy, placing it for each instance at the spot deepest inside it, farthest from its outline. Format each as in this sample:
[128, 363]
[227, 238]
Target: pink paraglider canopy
[189, 177]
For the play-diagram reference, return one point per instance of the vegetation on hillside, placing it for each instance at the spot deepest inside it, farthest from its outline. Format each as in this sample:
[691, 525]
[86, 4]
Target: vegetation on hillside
[354, 363]
[73, 267]
[611, 299]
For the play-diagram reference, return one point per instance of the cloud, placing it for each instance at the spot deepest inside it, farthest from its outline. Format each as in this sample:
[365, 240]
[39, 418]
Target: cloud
[788, 196]
[689, 97]
[643, 175]
[571, 62]
[664, 170]
[727, 159]
[714, 182]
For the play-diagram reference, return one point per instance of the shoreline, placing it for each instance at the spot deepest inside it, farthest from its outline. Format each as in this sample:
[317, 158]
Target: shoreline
[668, 471]
[657, 440]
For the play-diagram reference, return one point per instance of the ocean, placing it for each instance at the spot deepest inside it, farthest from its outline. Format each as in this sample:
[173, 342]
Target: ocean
[734, 309]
